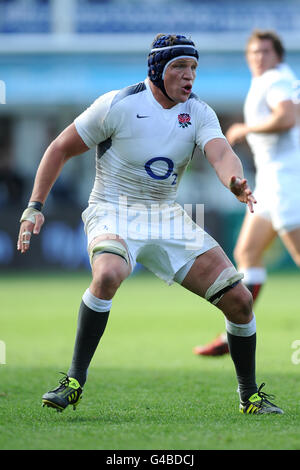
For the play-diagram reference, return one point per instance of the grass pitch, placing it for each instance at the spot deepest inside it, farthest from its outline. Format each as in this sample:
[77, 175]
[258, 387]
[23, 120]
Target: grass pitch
[146, 389]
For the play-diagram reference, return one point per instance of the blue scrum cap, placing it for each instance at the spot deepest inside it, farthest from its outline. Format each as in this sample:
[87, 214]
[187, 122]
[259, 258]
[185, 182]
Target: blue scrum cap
[164, 50]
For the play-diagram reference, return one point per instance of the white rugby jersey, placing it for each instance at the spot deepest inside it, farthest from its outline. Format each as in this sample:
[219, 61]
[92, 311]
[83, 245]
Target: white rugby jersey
[143, 149]
[272, 151]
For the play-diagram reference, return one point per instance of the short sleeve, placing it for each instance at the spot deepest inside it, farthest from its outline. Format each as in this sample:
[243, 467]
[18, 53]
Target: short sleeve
[208, 126]
[278, 92]
[92, 125]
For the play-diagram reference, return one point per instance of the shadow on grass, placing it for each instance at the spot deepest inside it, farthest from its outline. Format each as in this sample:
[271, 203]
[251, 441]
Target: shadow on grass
[150, 409]
[148, 396]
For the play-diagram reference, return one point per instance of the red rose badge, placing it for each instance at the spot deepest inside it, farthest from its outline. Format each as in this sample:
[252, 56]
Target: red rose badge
[184, 120]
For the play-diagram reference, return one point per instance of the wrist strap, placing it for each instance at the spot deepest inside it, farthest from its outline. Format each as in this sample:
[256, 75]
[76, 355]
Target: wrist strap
[35, 205]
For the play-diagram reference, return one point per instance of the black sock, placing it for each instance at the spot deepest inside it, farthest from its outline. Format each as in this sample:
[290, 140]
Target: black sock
[90, 328]
[242, 350]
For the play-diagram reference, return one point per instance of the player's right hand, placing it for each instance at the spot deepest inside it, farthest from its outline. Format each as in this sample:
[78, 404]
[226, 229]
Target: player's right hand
[31, 222]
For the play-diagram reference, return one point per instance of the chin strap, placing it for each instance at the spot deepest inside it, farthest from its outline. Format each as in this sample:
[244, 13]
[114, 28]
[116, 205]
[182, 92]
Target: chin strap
[162, 88]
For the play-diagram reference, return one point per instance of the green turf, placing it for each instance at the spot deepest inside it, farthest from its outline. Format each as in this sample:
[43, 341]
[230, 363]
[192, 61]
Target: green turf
[146, 390]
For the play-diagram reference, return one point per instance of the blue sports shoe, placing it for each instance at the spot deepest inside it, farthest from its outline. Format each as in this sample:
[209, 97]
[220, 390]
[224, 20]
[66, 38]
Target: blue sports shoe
[67, 393]
[259, 403]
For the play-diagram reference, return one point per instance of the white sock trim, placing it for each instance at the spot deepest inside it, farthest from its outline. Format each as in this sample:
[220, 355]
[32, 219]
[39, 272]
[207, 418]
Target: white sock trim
[254, 275]
[98, 305]
[246, 329]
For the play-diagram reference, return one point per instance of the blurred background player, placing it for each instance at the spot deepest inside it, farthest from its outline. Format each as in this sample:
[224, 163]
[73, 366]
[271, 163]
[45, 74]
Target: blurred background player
[273, 135]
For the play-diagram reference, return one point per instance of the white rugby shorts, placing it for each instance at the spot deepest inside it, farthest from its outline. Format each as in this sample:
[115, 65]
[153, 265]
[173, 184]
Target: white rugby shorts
[278, 200]
[163, 238]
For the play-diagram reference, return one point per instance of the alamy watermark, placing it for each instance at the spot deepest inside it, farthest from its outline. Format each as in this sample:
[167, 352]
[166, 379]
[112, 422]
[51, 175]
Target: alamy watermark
[151, 222]
[2, 352]
[2, 92]
[296, 354]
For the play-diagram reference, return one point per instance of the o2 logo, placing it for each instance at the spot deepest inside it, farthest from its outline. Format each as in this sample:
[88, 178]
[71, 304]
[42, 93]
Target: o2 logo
[167, 174]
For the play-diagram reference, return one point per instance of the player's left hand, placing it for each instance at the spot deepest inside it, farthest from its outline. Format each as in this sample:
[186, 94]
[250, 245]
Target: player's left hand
[239, 187]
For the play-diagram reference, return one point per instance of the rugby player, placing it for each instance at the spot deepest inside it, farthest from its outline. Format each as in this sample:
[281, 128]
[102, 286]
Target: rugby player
[272, 132]
[145, 136]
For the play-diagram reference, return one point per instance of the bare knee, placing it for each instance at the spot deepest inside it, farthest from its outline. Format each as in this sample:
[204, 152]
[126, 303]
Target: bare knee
[108, 276]
[237, 305]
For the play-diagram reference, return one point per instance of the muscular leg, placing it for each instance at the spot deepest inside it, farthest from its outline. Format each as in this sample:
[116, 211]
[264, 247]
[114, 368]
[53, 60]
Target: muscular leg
[205, 271]
[236, 304]
[109, 270]
[255, 236]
